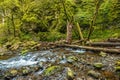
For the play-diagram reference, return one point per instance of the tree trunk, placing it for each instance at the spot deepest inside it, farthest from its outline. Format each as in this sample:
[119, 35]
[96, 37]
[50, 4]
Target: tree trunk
[80, 32]
[69, 32]
[13, 24]
[94, 19]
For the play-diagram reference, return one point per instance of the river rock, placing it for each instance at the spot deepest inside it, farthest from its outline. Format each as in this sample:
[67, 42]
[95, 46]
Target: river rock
[11, 73]
[51, 70]
[94, 74]
[25, 70]
[117, 63]
[70, 74]
[98, 65]
[117, 68]
[71, 59]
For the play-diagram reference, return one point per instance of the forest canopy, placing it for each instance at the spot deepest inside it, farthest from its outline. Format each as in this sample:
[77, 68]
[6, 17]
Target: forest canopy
[46, 20]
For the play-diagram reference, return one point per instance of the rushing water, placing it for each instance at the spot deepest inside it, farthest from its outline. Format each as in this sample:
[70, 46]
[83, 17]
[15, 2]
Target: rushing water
[31, 59]
[62, 57]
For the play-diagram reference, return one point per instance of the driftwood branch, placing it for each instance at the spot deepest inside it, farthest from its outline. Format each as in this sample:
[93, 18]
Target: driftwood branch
[92, 48]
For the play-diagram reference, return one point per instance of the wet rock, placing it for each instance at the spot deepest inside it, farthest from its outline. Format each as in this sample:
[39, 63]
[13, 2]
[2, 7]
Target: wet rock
[36, 68]
[14, 72]
[25, 70]
[70, 74]
[103, 54]
[94, 74]
[71, 59]
[98, 65]
[51, 70]
[11, 73]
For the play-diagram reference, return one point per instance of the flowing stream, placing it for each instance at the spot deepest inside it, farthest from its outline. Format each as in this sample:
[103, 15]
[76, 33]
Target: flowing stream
[60, 56]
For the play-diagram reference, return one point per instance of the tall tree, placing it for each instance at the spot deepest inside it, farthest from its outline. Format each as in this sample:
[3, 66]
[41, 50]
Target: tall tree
[98, 3]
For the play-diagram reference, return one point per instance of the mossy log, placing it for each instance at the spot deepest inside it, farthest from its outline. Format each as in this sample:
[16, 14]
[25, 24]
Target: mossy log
[91, 48]
[113, 40]
[108, 44]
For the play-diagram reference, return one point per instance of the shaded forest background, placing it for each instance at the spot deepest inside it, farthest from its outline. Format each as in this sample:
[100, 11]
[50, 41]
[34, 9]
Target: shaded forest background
[46, 20]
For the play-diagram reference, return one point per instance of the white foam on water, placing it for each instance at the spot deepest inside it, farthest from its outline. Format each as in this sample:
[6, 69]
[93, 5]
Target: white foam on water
[26, 60]
[76, 50]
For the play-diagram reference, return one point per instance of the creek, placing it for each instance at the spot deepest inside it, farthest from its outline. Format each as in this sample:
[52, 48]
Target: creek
[33, 65]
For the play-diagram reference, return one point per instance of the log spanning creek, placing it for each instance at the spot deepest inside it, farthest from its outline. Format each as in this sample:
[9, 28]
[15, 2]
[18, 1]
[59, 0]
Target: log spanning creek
[61, 64]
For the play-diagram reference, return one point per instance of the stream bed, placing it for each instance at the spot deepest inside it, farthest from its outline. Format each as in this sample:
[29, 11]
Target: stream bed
[53, 64]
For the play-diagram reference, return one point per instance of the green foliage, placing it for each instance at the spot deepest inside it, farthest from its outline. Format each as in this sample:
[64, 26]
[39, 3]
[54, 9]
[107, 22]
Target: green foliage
[46, 20]
[23, 52]
[50, 36]
[52, 70]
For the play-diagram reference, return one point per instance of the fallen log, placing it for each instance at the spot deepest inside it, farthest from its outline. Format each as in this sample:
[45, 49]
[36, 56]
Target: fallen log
[113, 40]
[109, 44]
[91, 48]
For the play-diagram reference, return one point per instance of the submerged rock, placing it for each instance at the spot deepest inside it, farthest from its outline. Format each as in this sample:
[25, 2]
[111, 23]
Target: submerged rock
[98, 65]
[94, 74]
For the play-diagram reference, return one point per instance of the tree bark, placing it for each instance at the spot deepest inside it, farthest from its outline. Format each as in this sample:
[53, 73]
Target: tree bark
[109, 44]
[92, 48]
[13, 24]
[69, 32]
[93, 19]
[80, 32]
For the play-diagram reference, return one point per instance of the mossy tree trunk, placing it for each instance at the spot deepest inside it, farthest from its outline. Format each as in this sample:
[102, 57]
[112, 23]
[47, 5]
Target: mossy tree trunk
[13, 24]
[98, 3]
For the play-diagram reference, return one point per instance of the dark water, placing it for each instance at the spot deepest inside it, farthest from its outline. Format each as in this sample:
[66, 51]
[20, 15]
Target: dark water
[59, 56]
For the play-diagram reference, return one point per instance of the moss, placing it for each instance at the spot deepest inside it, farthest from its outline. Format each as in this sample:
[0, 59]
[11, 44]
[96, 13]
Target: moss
[52, 70]
[23, 52]
[98, 65]
[117, 68]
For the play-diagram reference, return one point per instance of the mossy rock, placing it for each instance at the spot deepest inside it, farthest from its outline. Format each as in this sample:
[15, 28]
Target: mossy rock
[71, 59]
[98, 65]
[117, 63]
[23, 52]
[52, 70]
[11, 73]
[25, 71]
[94, 74]
[70, 74]
[103, 54]
[117, 68]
